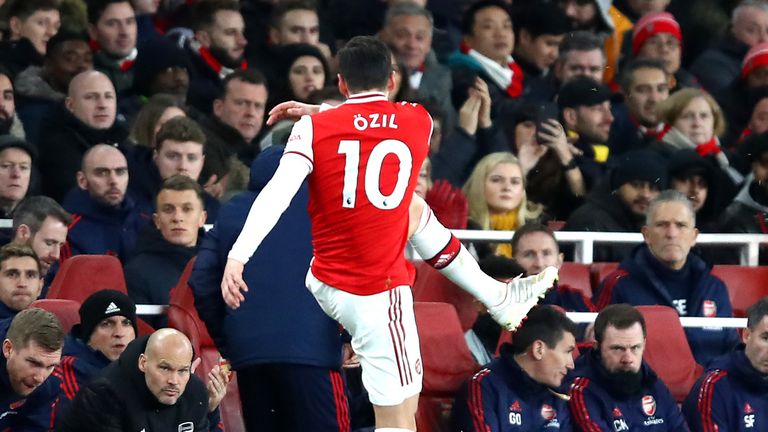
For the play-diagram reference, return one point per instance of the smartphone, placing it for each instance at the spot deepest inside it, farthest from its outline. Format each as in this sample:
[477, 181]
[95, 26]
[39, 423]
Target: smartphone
[545, 112]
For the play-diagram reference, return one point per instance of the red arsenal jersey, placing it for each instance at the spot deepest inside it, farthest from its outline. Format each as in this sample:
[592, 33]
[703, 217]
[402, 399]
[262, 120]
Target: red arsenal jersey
[365, 156]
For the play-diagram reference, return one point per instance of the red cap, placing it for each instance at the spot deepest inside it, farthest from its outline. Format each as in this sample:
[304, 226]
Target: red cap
[756, 56]
[651, 24]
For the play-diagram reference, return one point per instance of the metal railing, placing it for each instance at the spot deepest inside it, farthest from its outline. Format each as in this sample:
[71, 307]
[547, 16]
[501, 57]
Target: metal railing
[584, 241]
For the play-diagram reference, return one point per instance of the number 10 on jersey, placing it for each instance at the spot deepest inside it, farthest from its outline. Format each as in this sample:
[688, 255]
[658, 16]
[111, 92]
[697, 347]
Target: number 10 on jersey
[351, 150]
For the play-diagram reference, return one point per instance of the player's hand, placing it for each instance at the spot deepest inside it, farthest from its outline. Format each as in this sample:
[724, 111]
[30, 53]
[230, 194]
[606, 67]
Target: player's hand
[217, 386]
[348, 357]
[290, 110]
[232, 284]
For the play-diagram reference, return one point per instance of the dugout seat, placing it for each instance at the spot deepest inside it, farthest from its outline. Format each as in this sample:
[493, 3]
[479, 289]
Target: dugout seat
[599, 271]
[82, 275]
[446, 360]
[67, 311]
[231, 408]
[431, 286]
[667, 350]
[181, 295]
[746, 285]
[577, 275]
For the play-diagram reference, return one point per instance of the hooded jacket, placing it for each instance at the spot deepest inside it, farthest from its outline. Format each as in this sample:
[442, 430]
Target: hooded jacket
[34, 99]
[99, 229]
[637, 283]
[275, 276]
[119, 400]
[732, 396]
[596, 405]
[502, 397]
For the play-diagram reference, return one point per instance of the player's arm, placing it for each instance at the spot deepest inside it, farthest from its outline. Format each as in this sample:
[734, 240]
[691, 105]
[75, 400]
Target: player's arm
[266, 210]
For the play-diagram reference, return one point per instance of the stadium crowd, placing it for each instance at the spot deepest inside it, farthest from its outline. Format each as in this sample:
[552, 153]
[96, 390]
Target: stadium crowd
[126, 126]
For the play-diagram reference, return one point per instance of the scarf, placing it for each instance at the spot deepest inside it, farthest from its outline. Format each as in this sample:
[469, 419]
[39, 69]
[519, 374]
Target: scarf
[124, 64]
[221, 70]
[504, 222]
[677, 140]
[509, 78]
[656, 132]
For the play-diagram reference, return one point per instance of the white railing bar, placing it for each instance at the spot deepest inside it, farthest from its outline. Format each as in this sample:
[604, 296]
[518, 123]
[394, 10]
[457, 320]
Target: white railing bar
[697, 322]
[145, 309]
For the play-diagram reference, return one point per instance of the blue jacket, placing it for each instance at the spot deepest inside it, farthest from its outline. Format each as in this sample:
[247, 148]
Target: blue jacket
[502, 397]
[6, 312]
[291, 326]
[79, 365]
[17, 413]
[637, 284]
[595, 406]
[98, 229]
[732, 396]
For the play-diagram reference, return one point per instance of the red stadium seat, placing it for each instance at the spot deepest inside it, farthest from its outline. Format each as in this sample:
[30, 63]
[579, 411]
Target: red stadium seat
[599, 271]
[447, 363]
[82, 275]
[577, 276]
[231, 409]
[431, 286]
[181, 295]
[667, 350]
[67, 311]
[746, 285]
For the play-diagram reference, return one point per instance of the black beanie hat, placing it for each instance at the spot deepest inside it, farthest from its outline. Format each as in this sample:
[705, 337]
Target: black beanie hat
[104, 304]
[643, 165]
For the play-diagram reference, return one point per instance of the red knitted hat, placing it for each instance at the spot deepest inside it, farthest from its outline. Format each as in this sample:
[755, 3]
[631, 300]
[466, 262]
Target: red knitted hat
[756, 57]
[651, 24]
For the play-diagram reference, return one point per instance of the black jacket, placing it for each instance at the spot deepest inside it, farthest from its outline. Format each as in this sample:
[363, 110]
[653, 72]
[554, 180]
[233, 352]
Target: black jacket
[18, 55]
[62, 144]
[717, 67]
[119, 401]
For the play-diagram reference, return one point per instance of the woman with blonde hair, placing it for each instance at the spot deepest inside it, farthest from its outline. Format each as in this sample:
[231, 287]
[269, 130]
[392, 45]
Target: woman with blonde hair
[497, 199]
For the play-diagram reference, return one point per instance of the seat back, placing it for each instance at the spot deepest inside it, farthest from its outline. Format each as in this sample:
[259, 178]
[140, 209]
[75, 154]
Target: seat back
[746, 285]
[431, 286]
[67, 311]
[599, 271]
[667, 350]
[181, 295]
[577, 276]
[82, 275]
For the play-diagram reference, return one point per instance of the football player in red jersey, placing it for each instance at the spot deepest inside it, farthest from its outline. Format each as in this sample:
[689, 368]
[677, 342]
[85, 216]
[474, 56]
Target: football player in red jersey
[362, 160]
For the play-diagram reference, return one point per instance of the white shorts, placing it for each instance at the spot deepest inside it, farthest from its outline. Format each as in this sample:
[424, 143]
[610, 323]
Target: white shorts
[384, 337]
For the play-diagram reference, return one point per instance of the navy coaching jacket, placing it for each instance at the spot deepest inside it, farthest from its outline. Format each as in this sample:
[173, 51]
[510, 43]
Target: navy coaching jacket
[502, 397]
[732, 396]
[597, 408]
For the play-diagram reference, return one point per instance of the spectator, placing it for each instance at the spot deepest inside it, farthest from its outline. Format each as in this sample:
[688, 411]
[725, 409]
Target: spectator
[634, 9]
[620, 204]
[106, 221]
[87, 118]
[497, 201]
[615, 388]
[732, 394]
[408, 30]
[523, 388]
[657, 36]
[31, 23]
[216, 51]
[535, 248]
[486, 51]
[147, 28]
[39, 89]
[16, 157]
[305, 372]
[718, 66]
[161, 67]
[159, 109]
[603, 19]
[585, 108]
[238, 117]
[580, 53]
[151, 385]
[40, 223]
[644, 84]
[540, 27]
[112, 26]
[163, 252]
[291, 22]
[697, 178]
[179, 149]
[32, 344]
[108, 323]
[20, 279]
[299, 70]
[9, 121]
[696, 121]
[748, 213]
[757, 106]
[663, 271]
